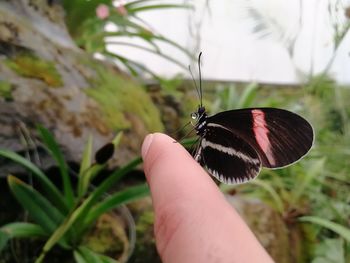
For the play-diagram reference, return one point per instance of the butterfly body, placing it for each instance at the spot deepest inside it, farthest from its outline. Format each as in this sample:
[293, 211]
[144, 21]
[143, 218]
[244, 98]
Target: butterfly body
[201, 125]
[234, 145]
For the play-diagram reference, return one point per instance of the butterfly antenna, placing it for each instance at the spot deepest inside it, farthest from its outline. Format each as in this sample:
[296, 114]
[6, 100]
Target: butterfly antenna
[195, 84]
[200, 78]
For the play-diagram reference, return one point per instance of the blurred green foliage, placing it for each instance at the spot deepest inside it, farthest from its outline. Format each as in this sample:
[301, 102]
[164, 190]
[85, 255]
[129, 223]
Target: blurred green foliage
[63, 217]
[28, 65]
[87, 22]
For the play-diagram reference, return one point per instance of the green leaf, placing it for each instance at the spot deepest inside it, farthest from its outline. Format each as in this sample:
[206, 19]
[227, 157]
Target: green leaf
[85, 179]
[150, 50]
[79, 258]
[83, 211]
[85, 169]
[117, 139]
[86, 255]
[20, 230]
[126, 24]
[80, 213]
[110, 181]
[86, 159]
[88, 172]
[330, 251]
[156, 7]
[267, 187]
[50, 189]
[133, 66]
[306, 180]
[139, 5]
[38, 207]
[56, 153]
[247, 98]
[4, 238]
[59, 233]
[122, 197]
[342, 231]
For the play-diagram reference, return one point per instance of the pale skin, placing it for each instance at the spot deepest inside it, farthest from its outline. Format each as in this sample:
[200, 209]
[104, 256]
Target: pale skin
[193, 220]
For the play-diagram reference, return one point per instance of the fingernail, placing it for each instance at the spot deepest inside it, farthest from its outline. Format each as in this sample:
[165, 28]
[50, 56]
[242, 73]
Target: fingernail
[146, 144]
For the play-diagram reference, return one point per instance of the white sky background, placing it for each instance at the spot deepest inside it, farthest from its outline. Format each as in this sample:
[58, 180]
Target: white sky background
[231, 51]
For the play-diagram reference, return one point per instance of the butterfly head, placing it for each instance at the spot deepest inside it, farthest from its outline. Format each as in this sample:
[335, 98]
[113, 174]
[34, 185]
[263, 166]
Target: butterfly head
[199, 117]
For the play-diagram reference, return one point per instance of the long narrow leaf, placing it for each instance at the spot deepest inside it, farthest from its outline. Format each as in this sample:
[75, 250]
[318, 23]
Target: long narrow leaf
[111, 181]
[131, 65]
[140, 4]
[115, 200]
[315, 170]
[85, 179]
[133, 4]
[60, 232]
[58, 156]
[342, 231]
[86, 255]
[117, 139]
[169, 58]
[156, 7]
[84, 166]
[148, 37]
[82, 210]
[86, 159]
[248, 96]
[88, 172]
[127, 23]
[38, 207]
[268, 188]
[79, 258]
[49, 188]
[20, 230]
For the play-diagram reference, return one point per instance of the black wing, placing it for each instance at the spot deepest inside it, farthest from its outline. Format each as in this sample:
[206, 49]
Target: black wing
[280, 137]
[227, 156]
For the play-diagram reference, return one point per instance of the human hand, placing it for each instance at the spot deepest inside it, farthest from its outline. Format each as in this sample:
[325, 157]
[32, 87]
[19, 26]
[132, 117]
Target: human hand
[193, 220]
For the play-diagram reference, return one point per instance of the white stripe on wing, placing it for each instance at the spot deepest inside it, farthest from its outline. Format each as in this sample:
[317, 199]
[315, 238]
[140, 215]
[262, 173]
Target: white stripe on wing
[230, 151]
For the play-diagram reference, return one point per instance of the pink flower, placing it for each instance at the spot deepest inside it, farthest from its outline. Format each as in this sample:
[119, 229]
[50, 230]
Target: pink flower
[121, 8]
[102, 11]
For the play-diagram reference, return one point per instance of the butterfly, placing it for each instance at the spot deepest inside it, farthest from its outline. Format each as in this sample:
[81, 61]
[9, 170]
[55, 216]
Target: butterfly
[234, 145]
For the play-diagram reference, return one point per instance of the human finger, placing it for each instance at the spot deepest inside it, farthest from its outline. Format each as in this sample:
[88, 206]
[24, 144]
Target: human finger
[193, 220]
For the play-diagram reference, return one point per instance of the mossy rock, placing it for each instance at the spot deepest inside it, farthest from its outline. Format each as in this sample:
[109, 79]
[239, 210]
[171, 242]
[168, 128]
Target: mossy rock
[30, 66]
[121, 100]
[6, 90]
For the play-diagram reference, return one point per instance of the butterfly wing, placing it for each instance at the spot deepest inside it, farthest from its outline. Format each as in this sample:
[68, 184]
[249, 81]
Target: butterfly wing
[280, 137]
[227, 156]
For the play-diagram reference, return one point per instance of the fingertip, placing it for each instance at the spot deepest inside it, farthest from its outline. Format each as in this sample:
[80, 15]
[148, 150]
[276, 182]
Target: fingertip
[160, 149]
[153, 144]
[145, 145]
